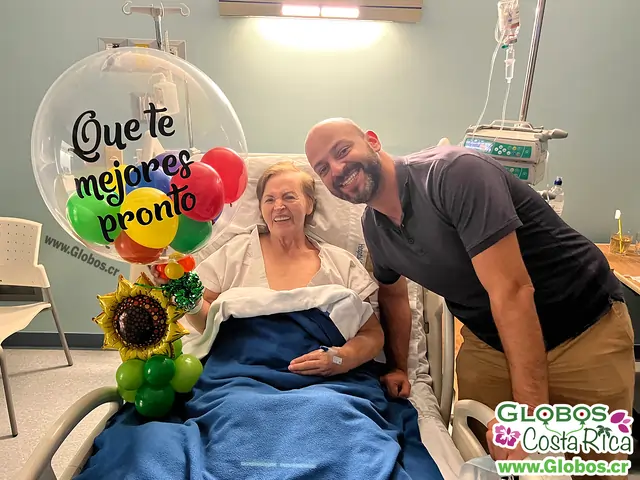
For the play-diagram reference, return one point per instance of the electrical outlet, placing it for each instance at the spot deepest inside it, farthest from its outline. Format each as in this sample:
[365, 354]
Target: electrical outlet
[111, 43]
[111, 154]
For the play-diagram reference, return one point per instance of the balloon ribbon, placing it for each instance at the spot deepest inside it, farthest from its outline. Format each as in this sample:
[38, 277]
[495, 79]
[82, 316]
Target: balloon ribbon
[186, 291]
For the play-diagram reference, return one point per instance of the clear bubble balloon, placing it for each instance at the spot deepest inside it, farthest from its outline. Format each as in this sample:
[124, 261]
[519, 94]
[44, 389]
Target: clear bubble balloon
[113, 147]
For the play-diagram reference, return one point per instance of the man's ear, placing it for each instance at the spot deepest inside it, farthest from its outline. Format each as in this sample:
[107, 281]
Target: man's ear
[373, 140]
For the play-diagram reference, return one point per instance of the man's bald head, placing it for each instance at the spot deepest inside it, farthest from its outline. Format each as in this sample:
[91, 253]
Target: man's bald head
[345, 124]
[337, 148]
[330, 128]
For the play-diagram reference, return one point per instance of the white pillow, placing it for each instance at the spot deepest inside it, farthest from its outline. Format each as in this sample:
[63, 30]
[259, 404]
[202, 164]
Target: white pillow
[335, 221]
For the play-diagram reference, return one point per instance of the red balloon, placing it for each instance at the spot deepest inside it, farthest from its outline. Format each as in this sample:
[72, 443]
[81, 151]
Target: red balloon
[133, 252]
[188, 263]
[232, 171]
[203, 199]
[160, 270]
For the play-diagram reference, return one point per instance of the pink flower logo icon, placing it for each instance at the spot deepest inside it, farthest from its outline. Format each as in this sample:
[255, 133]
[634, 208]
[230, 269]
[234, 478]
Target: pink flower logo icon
[504, 436]
[621, 420]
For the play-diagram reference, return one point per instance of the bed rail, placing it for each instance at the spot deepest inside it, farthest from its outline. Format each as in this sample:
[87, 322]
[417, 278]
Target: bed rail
[441, 346]
[448, 366]
[38, 466]
[433, 327]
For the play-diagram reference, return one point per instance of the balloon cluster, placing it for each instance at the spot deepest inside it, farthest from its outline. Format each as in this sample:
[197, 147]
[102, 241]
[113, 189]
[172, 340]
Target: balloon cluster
[100, 163]
[183, 285]
[176, 268]
[140, 320]
[152, 385]
[167, 204]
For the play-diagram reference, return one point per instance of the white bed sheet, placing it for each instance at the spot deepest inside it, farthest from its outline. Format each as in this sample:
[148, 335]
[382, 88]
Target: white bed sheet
[345, 308]
[433, 431]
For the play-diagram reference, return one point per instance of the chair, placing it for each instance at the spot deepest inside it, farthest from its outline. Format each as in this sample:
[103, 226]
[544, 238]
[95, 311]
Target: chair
[19, 250]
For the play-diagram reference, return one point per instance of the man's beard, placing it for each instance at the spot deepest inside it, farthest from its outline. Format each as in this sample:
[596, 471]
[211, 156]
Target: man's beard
[372, 173]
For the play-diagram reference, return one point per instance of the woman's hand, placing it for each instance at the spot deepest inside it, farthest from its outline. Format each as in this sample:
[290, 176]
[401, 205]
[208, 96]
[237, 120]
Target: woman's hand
[319, 362]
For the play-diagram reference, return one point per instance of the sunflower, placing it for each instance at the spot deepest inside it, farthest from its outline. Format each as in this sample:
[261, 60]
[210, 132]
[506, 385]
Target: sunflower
[139, 320]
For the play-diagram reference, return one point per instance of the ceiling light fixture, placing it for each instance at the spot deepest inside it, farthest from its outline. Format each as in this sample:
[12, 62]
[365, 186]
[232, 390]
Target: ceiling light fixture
[340, 12]
[403, 11]
[300, 10]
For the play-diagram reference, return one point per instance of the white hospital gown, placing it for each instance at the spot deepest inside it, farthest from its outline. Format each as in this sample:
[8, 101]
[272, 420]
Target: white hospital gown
[239, 263]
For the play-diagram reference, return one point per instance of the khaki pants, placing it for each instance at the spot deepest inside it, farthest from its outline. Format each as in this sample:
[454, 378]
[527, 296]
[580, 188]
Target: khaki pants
[596, 367]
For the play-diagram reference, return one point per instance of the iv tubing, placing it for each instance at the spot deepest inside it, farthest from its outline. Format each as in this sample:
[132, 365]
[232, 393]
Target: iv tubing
[486, 102]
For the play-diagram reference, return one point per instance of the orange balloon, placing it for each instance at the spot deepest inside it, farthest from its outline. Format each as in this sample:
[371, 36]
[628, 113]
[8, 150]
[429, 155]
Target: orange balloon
[133, 252]
[188, 263]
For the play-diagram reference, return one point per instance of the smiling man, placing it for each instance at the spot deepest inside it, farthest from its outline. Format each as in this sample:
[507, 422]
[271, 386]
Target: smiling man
[545, 320]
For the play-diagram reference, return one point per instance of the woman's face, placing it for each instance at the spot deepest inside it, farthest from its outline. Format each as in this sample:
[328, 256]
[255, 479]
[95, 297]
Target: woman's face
[284, 205]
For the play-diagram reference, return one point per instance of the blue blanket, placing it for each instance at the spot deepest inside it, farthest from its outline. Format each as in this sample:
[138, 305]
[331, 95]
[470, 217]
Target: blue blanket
[249, 417]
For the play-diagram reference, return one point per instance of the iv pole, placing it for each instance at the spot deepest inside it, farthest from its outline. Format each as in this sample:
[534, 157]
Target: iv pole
[157, 13]
[533, 57]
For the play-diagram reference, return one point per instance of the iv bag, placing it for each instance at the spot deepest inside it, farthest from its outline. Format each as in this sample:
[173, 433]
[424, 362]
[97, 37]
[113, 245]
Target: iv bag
[508, 21]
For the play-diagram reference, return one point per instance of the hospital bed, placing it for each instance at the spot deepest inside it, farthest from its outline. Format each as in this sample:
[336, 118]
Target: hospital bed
[442, 422]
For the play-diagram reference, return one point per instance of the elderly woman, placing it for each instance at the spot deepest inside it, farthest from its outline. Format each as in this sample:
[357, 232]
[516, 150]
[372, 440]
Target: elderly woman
[284, 258]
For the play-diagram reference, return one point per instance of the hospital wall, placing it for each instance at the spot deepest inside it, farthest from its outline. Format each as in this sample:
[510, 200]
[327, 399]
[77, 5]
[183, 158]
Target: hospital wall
[413, 84]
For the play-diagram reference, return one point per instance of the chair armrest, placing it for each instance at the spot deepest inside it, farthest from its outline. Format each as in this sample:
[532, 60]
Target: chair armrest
[462, 435]
[39, 463]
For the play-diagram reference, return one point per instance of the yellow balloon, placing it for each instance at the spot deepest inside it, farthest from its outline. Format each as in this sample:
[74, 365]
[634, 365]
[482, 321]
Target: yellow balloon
[148, 216]
[173, 270]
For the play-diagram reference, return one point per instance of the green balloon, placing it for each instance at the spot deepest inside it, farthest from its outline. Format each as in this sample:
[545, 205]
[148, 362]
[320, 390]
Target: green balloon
[130, 375]
[177, 348]
[188, 370]
[127, 395]
[154, 401]
[159, 370]
[84, 213]
[191, 235]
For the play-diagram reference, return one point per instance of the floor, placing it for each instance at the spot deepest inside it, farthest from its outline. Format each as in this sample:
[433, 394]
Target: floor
[43, 387]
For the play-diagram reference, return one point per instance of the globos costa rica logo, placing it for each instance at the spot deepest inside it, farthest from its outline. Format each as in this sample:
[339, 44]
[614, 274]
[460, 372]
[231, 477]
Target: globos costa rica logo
[563, 428]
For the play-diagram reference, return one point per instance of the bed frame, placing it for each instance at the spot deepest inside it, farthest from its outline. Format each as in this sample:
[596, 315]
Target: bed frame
[441, 356]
